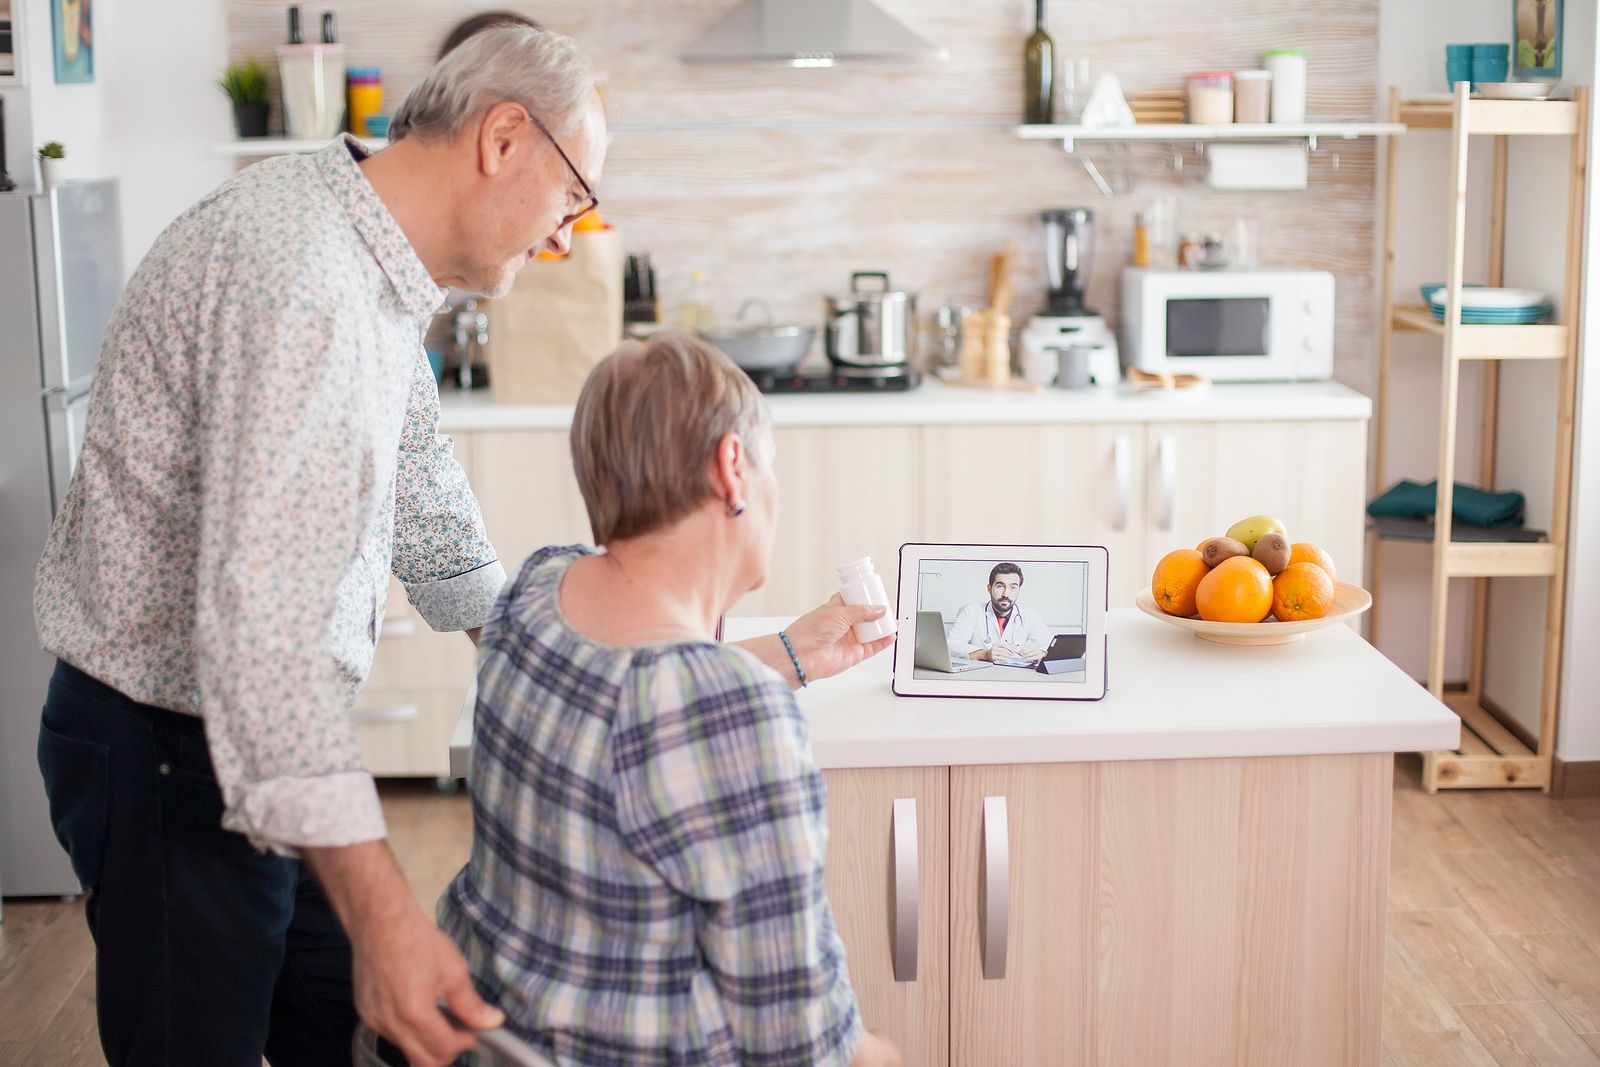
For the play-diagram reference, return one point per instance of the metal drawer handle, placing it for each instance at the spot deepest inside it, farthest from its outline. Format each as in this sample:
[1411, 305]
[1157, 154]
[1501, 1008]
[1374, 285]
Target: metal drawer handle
[1167, 458]
[906, 889]
[392, 713]
[1122, 463]
[996, 889]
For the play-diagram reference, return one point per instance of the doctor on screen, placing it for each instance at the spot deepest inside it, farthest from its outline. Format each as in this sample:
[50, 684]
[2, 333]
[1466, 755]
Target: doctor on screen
[999, 628]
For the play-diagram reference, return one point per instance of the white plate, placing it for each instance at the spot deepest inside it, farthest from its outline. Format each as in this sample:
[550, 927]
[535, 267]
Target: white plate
[1516, 90]
[1495, 298]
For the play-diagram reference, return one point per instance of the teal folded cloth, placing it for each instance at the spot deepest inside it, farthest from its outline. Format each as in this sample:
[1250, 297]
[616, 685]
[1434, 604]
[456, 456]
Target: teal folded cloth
[1413, 500]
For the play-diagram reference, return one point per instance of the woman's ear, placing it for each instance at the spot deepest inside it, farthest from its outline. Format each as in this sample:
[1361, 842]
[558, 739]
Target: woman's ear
[730, 471]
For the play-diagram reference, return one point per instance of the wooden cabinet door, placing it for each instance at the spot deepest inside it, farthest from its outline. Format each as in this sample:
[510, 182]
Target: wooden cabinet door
[869, 866]
[528, 493]
[843, 492]
[1201, 478]
[1040, 484]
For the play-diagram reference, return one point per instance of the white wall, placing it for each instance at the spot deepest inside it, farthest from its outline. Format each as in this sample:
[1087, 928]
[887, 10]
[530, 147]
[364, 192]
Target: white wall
[149, 118]
[1411, 55]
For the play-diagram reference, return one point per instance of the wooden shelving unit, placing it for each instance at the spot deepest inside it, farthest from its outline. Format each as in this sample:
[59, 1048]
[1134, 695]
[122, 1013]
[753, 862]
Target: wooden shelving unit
[1491, 753]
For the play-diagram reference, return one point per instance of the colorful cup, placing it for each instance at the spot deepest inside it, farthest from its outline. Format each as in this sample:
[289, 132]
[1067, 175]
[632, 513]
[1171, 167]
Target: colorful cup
[1457, 63]
[1490, 63]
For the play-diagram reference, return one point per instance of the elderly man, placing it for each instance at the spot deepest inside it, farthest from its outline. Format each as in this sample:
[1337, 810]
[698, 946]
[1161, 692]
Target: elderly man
[262, 452]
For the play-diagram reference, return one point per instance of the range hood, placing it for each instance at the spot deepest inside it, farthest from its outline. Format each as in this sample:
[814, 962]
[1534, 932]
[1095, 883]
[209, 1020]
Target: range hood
[809, 33]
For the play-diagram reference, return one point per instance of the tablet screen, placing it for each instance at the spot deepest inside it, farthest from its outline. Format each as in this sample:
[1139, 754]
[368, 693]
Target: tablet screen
[1001, 620]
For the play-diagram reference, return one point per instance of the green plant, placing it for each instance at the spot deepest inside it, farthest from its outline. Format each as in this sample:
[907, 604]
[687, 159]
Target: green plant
[52, 150]
[244, 83]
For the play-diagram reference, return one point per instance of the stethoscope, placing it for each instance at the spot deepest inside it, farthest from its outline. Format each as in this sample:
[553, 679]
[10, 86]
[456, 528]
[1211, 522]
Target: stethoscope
[988, 614]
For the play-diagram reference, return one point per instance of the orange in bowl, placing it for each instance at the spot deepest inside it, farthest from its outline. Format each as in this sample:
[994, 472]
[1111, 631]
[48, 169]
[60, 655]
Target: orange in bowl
[1306, 552]
[1237, 590]
[1176, 579]
[1301, 591]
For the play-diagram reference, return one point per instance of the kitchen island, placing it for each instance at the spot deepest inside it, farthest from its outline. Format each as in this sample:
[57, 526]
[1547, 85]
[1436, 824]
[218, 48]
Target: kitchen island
[1192, 870]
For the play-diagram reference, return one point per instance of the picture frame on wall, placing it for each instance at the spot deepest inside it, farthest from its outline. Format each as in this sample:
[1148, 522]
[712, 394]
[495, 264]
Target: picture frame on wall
[1536, 41]
[11, 57]
[72, 30]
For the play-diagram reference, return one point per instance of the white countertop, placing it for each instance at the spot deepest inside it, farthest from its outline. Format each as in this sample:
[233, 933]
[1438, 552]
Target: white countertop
[1172, 696]
[940, 404]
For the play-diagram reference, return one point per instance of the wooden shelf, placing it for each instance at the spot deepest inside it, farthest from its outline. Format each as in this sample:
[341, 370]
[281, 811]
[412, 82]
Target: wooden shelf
[1544, 341]
[1501, 559]
[1490, 755]
[1511, 118]
[1068, 135]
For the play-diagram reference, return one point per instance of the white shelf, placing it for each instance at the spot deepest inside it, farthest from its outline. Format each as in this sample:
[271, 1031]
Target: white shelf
[1264, 131]
[256, 147]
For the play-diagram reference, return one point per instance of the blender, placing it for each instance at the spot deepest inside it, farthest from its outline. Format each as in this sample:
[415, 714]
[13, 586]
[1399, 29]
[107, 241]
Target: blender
[1069, 345]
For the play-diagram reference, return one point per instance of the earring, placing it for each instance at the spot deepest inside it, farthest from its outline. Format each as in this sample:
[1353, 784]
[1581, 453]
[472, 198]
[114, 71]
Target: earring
[736, 510]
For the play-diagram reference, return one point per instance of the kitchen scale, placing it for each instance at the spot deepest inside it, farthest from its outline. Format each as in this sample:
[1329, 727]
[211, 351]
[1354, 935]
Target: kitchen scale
[836, 380]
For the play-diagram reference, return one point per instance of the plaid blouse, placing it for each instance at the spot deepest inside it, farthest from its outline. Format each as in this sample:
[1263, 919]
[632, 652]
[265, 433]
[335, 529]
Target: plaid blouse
[645, 886]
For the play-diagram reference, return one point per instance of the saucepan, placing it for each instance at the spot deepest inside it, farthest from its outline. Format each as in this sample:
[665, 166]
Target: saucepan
[764, 346]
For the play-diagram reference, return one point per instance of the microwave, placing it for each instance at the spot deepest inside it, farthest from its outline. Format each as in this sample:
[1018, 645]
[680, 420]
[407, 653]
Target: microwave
[1230, 325]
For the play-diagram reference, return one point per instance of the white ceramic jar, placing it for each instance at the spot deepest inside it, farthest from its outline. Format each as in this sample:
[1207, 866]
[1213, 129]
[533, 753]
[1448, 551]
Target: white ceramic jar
[1288, 69]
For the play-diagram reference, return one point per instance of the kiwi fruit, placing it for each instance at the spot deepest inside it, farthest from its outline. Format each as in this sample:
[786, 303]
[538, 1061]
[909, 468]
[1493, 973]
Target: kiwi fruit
[1272, 552]
[1218, 549]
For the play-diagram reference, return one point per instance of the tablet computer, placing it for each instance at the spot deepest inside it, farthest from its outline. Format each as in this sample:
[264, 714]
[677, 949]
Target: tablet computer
[1019, 621]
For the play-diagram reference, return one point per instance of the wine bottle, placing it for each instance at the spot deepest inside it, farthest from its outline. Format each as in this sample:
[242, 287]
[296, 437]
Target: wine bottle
[1039, 73]
[294, 26]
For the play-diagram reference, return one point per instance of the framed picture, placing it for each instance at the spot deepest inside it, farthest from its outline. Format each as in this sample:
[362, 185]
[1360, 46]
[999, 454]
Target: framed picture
[11, 72]
[73, 30]
[1537, 41]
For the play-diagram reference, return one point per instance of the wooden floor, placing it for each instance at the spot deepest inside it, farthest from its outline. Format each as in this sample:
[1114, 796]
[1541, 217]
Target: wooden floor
[1493, 956]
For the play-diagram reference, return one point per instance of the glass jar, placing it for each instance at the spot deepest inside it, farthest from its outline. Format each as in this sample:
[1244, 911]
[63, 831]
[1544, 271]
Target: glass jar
[1252, 95]
[1210, 97]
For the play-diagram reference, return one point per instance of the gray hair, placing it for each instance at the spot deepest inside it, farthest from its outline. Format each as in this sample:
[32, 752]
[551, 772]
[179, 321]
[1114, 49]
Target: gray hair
[543, 71]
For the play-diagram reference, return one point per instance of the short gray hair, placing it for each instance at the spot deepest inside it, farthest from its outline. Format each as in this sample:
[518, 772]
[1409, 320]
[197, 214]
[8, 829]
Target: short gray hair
[544, 72]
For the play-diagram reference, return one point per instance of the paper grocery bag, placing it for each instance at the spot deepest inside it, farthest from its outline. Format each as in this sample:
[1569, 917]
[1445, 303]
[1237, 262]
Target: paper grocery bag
[561, 317]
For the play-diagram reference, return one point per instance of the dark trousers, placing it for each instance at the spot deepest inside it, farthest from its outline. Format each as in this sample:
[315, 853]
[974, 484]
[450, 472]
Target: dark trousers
[208, 953]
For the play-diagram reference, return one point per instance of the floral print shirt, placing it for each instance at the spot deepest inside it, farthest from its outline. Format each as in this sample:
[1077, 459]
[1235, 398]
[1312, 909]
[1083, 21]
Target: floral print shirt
[262, 451]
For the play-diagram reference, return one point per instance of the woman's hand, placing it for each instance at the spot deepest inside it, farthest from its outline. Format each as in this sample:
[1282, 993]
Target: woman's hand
[824, 640]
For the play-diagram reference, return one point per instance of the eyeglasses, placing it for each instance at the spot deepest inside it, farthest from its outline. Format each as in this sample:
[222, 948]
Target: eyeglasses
[591, 201]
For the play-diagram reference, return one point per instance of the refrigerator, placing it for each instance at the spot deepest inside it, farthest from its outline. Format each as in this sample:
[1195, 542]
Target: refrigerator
[60, 276]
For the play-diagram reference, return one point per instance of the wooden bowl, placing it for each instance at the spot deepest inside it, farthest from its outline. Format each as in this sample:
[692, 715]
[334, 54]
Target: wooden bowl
[1348, 602]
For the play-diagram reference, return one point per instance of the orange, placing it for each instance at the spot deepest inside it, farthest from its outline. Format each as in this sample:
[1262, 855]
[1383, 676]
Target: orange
[1177, 577]
[1302, 591]
[1237, 590]
[1306, 552]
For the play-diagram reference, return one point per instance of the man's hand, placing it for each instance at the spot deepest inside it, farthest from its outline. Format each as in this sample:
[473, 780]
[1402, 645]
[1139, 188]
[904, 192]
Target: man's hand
[1035, 654]
[982, 655]
[404, 965]
[825, 642]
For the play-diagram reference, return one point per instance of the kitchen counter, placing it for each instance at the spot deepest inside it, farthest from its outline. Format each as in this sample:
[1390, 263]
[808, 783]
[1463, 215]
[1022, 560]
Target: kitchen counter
[937, 403]
[1171, 697]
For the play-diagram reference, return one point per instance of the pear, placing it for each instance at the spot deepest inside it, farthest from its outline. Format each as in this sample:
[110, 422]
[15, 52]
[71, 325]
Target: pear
[1272, 552]
[1248, 531]
[1218, 549]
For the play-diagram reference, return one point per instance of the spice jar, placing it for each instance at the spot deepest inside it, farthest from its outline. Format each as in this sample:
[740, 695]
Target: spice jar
[1252, 95]
[1189, 251]
[1141, 242]
[1210, 97]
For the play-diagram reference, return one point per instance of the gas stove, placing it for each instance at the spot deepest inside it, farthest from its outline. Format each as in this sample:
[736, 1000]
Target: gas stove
[835, 381]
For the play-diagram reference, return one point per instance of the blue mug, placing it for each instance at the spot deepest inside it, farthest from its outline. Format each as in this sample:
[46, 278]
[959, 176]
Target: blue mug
[1458, 63]
[1490, 63]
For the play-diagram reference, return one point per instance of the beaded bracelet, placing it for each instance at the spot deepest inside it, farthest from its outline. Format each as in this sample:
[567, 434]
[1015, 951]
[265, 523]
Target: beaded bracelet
[794, 659]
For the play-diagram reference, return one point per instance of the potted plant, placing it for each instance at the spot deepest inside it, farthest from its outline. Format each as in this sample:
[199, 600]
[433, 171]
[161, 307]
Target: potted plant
[52, 164]
[246, 87]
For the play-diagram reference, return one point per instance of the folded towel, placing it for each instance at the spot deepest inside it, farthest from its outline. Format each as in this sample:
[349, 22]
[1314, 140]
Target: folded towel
[1413, 500]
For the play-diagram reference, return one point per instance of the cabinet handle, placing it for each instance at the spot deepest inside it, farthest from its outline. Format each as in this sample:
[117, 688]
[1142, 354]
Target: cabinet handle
[996, 887]
[1122, 464]
[906, 890]
[392, 713]
[1167, 460]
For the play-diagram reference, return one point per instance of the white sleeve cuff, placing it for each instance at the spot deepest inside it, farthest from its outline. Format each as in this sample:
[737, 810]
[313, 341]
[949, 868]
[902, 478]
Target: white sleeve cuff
[461, 602]
[286, 815]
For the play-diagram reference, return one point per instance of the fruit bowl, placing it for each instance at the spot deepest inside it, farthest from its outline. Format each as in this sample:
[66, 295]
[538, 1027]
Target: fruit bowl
[1348, 602]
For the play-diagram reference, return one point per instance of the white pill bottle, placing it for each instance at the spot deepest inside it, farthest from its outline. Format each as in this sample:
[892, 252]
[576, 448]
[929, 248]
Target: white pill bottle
[860, 583]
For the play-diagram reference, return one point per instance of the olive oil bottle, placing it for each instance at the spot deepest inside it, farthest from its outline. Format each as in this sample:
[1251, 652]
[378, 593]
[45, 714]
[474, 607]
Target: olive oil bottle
[1039, 73]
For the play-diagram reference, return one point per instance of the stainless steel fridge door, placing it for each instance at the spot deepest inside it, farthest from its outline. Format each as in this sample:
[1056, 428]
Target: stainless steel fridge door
[77, 247]
[66, 420]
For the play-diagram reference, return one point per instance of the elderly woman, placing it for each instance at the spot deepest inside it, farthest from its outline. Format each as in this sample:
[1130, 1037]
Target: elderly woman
[645, 884]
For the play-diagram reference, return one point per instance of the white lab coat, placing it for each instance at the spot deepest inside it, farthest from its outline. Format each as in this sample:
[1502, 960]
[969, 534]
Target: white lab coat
[976, 627]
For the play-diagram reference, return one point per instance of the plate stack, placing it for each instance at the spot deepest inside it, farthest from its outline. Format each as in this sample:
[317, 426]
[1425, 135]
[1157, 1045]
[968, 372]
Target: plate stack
[1485, 306]
[1158, 107]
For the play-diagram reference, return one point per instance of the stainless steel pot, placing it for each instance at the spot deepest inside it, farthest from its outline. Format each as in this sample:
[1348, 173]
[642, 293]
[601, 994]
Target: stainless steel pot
[871, 329]
[765, 347]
